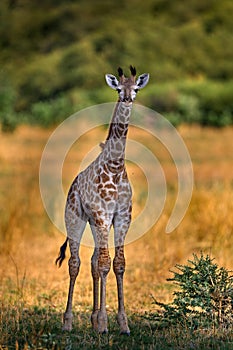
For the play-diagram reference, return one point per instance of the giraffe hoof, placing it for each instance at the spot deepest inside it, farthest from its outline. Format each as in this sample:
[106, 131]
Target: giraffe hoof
[94, 320]
[102, 322]
[125, 333]
[67, 327]
[67, 322]
[123, 323]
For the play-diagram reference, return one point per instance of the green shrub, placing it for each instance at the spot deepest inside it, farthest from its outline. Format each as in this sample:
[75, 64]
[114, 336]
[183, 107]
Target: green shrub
[204, 298]
[188, 107]
[8, 117]
[204, 102]
[39, 81]
[51, 112]
[174, 118]
[215, 100]
[9, 122]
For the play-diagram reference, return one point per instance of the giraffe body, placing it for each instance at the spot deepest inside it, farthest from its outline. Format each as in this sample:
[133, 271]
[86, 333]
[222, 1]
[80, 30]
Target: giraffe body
[101, 195]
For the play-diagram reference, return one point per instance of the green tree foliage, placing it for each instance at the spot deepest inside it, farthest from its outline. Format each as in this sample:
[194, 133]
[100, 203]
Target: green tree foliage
[51, 48]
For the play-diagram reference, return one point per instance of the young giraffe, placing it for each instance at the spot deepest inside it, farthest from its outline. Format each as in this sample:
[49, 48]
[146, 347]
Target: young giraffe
[101, 195]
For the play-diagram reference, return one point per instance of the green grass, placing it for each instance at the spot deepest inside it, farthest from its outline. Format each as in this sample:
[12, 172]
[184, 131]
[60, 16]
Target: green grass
[37, 327]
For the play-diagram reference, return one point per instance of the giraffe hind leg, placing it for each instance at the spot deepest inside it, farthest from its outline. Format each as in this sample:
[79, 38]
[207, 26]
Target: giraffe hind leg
[74, 265]
[75, 225]
[95, 277]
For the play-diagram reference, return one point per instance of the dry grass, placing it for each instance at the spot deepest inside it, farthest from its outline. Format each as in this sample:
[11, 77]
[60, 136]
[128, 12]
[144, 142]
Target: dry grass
[30, 243]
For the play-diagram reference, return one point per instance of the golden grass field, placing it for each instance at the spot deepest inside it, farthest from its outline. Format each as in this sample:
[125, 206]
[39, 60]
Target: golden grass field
[30, 243]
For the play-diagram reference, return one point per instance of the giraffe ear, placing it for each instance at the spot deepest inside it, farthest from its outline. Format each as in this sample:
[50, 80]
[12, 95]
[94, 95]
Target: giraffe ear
[142, 80]
[112, 81]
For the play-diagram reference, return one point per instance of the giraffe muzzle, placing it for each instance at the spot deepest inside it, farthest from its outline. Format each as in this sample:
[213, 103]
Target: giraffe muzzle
[127, 99]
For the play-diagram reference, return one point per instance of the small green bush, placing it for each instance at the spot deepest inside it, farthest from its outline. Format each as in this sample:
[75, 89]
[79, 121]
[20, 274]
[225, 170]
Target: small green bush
[204, 298]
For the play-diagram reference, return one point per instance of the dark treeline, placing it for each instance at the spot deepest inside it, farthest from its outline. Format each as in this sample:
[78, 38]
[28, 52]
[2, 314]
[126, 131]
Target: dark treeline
[54, 54]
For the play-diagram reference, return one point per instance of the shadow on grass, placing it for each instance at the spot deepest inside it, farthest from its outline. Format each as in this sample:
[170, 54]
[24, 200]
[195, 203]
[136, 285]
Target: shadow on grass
[40, 328]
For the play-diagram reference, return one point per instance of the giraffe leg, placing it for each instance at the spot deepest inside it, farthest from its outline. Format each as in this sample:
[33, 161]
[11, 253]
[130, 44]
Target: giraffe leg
[74, 264]
[75, 224]
[95, 276]
[119, 269]
[101, 264]
[104, 264]
[121, 225]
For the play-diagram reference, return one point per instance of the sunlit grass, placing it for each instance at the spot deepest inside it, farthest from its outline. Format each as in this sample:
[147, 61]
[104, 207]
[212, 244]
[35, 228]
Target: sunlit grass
[33, 291]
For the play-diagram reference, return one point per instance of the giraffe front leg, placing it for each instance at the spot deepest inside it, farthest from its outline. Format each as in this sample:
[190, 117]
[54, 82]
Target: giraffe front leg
[119, 269]
[104, 264]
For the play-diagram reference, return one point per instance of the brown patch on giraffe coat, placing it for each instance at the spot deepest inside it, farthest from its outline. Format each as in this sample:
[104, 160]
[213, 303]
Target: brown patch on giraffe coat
[113, 194]
[110, 185]
[103, 193]
[99, 221]
[104, 177]
[108, 195]
[100, 186]
[97, 180]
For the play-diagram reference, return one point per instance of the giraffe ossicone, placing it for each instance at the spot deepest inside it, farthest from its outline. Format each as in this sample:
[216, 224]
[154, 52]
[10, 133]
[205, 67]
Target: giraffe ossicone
[101, 195]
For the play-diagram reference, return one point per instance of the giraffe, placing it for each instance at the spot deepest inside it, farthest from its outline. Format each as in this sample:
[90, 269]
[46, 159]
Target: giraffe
[101, 195]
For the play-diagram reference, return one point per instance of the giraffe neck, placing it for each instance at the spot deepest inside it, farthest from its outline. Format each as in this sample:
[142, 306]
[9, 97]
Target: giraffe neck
[114, 150]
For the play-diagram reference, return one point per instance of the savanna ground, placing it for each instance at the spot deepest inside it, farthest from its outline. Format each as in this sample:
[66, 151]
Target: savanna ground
[33, 291]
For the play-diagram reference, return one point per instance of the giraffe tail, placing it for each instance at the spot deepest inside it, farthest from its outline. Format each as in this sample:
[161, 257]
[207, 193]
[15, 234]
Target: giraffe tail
[62, 253]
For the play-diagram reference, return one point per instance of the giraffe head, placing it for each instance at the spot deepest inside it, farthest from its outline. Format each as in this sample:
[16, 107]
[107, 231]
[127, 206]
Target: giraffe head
[127, 88]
